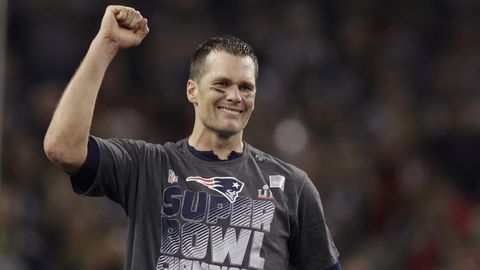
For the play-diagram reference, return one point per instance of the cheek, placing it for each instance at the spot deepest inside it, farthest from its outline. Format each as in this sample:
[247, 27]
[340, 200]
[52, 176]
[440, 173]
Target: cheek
[207, 104]
[250, 103]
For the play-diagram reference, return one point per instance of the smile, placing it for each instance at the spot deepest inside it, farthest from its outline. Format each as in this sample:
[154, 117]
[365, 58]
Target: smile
[230, 111]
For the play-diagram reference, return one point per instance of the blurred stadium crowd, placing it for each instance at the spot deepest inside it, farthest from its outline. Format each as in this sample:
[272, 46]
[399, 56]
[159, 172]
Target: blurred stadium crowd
[379, 101]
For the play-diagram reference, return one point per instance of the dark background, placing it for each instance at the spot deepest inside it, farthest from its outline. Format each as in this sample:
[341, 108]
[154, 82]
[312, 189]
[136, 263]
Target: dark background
[378, 101]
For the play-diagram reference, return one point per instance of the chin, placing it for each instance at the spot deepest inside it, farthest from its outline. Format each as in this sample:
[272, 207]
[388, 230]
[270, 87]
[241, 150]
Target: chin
[224, 130]
[227, 132]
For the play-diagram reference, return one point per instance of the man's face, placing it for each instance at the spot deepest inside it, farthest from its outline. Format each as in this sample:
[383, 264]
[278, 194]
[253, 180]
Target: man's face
[224, 96]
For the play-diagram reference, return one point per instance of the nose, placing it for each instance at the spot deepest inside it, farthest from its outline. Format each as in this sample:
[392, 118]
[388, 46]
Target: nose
[233, 95]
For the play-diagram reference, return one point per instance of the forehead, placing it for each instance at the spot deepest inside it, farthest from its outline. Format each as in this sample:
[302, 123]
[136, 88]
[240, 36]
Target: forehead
[234, 67]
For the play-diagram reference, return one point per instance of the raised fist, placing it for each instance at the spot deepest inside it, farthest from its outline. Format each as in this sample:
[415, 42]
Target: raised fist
[123, 26]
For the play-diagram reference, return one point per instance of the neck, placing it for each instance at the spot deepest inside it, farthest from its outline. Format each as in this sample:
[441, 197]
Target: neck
[211, 141]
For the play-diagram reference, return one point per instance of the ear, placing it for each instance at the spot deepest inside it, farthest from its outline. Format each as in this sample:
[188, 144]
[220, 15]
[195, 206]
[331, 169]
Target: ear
[192, 91]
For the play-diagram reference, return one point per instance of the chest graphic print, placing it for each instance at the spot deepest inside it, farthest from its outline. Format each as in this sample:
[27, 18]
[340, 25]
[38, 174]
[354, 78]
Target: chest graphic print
[220, 230]
[227, 186]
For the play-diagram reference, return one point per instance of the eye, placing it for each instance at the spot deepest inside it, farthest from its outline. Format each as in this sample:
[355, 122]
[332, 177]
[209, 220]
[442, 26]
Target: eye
[245, 87]
[221, 84]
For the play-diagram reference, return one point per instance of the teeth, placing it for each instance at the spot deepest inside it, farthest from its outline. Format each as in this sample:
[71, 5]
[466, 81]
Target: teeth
[229, 111]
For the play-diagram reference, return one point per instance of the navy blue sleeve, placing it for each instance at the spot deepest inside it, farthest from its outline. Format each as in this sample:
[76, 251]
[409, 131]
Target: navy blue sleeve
[336, 266]
[85, 176]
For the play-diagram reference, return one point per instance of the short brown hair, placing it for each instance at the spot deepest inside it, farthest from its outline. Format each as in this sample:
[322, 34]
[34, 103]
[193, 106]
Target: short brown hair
[225, 43]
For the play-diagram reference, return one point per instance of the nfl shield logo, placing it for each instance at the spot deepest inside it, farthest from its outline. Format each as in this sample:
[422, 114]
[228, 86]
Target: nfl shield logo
[172, 178]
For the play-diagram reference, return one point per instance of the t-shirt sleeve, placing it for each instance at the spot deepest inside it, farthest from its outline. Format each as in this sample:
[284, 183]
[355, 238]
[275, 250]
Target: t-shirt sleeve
[311, 245]
[85, 176]
[117, 173]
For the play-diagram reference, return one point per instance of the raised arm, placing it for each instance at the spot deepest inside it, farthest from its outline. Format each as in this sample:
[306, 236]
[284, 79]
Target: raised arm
[65, 142]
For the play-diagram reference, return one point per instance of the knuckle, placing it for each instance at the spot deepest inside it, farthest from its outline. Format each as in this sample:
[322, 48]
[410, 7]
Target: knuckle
[112, 7]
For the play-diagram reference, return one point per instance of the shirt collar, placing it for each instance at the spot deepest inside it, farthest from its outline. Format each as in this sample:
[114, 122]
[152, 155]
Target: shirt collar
[210, 156]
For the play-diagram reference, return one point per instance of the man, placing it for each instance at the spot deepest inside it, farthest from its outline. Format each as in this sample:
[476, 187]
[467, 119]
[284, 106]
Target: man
[211, 201]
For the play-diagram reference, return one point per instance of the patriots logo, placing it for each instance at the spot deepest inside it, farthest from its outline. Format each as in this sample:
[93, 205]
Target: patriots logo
[227, 186]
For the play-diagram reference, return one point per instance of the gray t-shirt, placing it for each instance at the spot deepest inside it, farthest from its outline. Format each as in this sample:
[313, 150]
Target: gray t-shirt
[252, 212]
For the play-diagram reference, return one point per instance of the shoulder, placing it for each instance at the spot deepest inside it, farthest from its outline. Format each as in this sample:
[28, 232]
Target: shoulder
[132, 147]
[125, 143]
[277, 166]
[140, 147]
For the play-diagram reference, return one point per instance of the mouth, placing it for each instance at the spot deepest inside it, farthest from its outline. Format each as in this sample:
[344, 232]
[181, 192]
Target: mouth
[234, 111]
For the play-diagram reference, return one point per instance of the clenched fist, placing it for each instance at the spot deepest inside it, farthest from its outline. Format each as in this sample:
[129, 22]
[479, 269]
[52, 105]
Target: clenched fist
[122, 27]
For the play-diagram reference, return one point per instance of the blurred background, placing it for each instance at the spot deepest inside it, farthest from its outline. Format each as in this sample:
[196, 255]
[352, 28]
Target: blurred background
[378, 101]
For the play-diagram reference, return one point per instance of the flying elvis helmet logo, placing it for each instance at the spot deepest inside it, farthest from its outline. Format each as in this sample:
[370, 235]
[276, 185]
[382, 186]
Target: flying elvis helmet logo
[227, 186]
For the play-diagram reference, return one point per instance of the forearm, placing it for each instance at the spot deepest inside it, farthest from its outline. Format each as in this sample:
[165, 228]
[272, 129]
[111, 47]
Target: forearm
[67, 136]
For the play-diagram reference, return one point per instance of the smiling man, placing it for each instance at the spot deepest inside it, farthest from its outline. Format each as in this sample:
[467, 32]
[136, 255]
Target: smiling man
[222, 89]
[211, 201]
